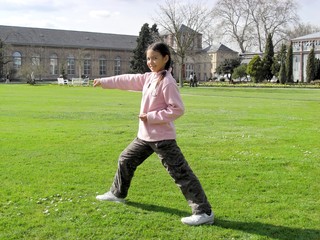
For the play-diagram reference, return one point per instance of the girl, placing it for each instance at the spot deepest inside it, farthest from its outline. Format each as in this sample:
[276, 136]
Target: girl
[161, 104]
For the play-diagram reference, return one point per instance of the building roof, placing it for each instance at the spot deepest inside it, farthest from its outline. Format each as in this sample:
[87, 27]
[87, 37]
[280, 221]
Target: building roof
[308, 37]
[183, 28]
[217, 48]
[66, 38]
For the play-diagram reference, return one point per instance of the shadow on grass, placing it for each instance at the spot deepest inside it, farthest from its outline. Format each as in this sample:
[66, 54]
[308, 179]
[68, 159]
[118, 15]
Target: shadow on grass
[269, 230]
[156, 208]
[262, 229]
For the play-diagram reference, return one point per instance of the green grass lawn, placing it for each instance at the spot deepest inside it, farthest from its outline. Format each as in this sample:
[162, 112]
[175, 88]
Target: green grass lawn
[256, 152]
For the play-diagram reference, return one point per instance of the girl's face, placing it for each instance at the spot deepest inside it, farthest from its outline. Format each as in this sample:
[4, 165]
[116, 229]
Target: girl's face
[155, 61]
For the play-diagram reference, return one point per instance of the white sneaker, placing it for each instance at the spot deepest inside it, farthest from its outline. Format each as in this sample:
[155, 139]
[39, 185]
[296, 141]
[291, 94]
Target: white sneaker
[108, 196]
[198, 219]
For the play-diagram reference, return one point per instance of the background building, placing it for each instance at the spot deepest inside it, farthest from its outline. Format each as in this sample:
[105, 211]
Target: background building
[301, 48]
[51, 53]
[201, 61]
[48, 54]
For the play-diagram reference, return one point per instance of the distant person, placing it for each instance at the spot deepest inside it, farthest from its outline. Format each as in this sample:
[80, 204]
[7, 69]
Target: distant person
[7, 78]
[161, 104]
[195, 81]
[191, 80]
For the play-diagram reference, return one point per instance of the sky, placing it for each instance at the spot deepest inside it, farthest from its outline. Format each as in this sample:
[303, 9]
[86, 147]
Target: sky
[106, 16]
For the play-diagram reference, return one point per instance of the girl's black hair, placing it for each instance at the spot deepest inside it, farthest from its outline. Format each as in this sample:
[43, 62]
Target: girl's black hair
[164, 50]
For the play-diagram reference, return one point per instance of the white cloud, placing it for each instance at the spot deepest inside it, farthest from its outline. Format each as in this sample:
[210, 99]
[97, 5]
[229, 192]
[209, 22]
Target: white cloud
[102, 14]
[31, 5]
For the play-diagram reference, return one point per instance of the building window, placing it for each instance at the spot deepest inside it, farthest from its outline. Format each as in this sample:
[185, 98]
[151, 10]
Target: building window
[16, 60]
[35, 60]
[87, 65]
[189, 70]
[102, 65]
[71, 69]
[54, 64]
[117, 66]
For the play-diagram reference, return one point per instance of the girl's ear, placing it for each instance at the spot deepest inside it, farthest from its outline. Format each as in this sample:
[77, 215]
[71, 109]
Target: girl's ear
[166, 58]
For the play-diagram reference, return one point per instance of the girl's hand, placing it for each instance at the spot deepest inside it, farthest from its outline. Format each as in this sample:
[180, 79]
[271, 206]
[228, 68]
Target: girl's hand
[96, 82]
[143, 117]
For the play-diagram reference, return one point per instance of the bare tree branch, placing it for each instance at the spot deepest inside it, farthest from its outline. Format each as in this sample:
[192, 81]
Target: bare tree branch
[184, 23]
[234, 21]
[249, 22]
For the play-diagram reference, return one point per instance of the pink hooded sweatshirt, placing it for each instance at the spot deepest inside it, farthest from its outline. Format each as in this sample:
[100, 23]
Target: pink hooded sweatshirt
[161, 103]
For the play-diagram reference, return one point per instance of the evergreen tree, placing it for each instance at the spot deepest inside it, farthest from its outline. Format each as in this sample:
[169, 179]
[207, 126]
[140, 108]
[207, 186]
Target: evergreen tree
[138, 64]
[282, 58]
[282, 73]
[278, 60]
[311, 66]
[317, 69]
[268, 58]
[254, 69]
[276, 65]
[289, 64]
[155, 33]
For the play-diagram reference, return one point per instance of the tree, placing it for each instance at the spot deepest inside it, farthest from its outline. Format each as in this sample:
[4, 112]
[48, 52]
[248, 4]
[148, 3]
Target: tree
[233, 20]
[263, 15]
[249, 22]
[311, 67]
[147, 35]
[155, 33]
[317, 69]
[240, 72]
[268, 59]
[3, 59]
[276, 65]
[33, 67]
[289, 64]
[301, 29]
[282, 73]
[182, 24]
[278, 60]
[227, 67]
[254, 69]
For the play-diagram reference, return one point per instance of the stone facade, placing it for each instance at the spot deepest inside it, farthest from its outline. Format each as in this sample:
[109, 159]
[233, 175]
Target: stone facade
[51, 53]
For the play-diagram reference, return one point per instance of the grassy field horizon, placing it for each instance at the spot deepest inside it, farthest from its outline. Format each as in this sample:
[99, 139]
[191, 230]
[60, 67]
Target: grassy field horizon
[255, 150]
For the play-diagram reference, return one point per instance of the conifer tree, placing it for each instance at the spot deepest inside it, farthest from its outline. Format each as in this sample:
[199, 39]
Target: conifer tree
[282, 73]
[147, 35]
[289, 64]
[268, 58]
[282, 59]
[278, 60]
[317, 69]
[311, 66]
[155, 33]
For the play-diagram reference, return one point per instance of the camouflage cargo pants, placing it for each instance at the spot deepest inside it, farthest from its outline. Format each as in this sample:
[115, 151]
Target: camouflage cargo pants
[172, 159]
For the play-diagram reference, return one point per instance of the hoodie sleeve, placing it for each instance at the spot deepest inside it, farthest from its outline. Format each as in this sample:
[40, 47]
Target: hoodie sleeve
[133, 82]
